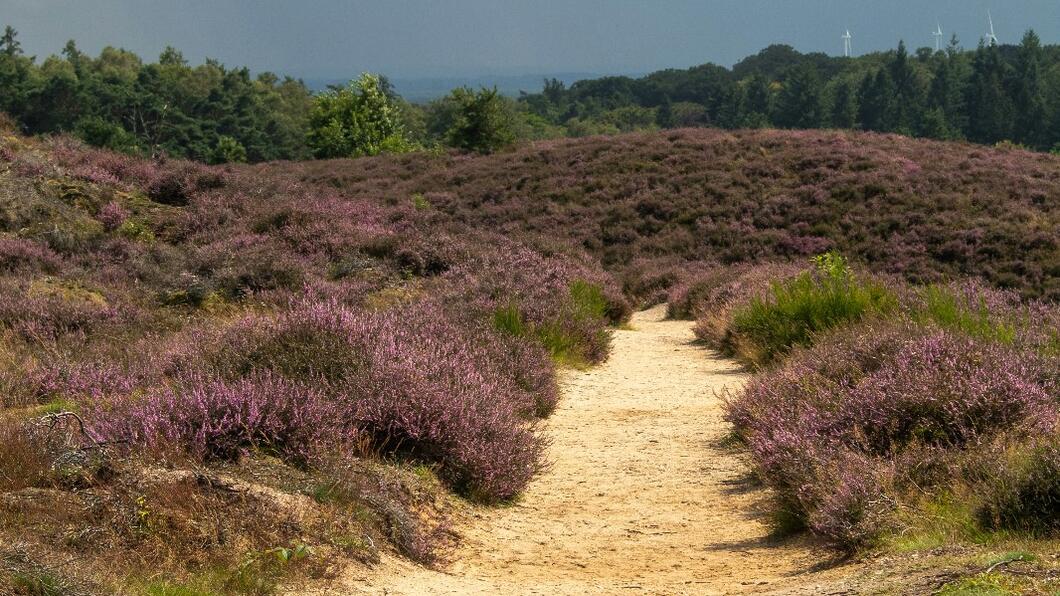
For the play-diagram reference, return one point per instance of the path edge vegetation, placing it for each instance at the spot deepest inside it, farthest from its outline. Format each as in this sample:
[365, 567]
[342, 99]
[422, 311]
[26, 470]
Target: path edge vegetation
[896, 418]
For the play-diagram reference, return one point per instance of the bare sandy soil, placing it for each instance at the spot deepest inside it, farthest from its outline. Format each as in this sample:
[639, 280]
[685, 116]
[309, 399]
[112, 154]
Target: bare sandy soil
[643, 496]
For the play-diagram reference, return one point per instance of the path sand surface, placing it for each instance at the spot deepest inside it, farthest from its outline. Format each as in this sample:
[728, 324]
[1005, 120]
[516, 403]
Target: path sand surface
[642, 497]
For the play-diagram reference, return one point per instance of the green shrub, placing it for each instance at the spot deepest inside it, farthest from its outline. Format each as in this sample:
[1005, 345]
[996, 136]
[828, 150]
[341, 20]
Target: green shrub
[228, 150]
[136, 231]
[167, 588]
[98, 132]
[420, 203]
[357, 120]
[563, 346]
[800, 308]
[984, 584]
[483, 121]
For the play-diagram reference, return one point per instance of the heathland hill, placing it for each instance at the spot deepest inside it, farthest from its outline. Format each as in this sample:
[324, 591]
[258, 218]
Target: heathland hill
[921, 209]
[315, 375]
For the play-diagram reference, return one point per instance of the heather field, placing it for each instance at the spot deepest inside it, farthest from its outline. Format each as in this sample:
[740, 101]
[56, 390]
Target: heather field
[212, 374]
[249, 379]
[923, 210]
[889, 417]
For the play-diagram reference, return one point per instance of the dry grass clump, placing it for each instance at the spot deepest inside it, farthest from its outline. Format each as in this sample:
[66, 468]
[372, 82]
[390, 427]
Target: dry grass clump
[244, 528]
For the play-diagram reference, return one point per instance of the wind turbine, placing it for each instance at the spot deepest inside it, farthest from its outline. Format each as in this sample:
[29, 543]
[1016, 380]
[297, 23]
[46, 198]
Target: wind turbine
[848, 48]
[938, 37]
[991, 39]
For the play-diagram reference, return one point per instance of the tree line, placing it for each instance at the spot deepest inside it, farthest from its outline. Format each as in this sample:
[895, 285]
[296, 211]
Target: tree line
[217, 114]
[987, 95]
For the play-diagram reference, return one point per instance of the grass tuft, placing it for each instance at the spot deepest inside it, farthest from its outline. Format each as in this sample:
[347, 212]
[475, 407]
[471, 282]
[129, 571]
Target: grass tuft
[943, 307]
[984, 584]
[801, 308]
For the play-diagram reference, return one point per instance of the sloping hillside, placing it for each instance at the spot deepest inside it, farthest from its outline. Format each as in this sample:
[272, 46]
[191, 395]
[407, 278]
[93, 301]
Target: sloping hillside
[921, 209]
[205, 371]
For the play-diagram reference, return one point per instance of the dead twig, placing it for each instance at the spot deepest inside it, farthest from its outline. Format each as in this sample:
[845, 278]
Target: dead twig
[52, 421]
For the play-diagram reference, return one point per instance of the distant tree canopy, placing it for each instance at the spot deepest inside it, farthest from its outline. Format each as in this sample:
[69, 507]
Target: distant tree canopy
[360, 119]
[987, 95]
[115, 100]
[481, 122]
[216, 114]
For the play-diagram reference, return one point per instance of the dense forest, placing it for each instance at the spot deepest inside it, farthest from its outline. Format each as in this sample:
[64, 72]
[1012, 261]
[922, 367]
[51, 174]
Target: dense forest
[989, 95]
[218, 114]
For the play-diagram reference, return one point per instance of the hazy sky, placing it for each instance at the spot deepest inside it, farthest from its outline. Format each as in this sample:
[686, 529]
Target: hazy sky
[417, 38]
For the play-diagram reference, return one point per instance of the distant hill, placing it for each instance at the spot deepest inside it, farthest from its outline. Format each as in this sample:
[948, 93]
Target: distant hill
[925, 210]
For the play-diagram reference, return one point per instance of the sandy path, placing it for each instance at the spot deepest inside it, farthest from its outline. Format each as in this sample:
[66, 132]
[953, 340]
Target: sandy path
[642, 497]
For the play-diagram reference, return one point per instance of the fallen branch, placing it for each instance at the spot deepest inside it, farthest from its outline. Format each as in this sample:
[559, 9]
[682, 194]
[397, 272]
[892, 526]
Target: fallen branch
[53, 420]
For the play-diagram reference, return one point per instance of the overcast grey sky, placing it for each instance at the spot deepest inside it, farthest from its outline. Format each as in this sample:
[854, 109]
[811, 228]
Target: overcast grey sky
[425, 38]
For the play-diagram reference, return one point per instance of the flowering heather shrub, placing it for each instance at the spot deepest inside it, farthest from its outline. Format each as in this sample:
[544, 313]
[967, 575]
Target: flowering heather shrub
[856, 506]
[219, 420]
[28, 166]
[871, 393]
[685, 299]
[95, 175]
[112, 215]
[177, 182]
[238, 282]
[45, 314]
[170, 188]
[715, 305]
[646, 281]
[924, 210]
[75, 156]
[66, 379]
[986, 313]
[23, 256]
[428, 391]
[247, 263]
[968, 307]
[563, 304]
[410, 380]
[712, 292]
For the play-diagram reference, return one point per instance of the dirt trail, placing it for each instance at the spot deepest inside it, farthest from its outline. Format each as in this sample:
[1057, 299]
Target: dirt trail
[642, 497]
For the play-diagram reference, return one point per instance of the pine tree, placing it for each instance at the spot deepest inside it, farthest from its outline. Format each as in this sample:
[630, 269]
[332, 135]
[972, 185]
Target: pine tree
[15, 70]
[944, 116]
[876, 102]
[991, 113]
[845, 106]
[9, 44]
[1028, 93]
[799, 103]
[664, 117]
[758, 99]
[907, 104]
[933, 125]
